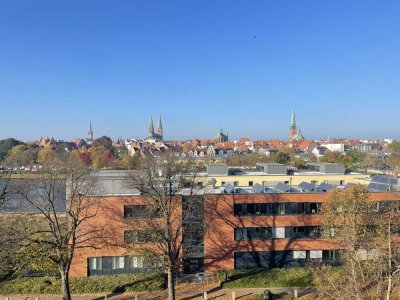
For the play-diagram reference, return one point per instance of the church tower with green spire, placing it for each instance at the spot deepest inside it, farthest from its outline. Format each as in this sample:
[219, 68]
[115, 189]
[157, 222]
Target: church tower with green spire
[155, 135]
[293, 126]
[150, 134]
[90, 133]
[221, 137]
[294, 134]
[159, 129]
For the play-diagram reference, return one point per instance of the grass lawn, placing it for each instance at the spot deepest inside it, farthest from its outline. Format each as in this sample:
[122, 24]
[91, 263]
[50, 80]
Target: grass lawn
[267, 278]
[90, 285]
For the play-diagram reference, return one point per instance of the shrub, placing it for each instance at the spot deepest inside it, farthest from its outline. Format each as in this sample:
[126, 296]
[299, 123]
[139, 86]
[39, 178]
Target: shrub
[266, 295]
[90, 285]
[265, 278]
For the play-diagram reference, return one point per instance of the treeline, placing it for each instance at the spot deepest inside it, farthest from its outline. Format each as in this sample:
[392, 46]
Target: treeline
[102, 154]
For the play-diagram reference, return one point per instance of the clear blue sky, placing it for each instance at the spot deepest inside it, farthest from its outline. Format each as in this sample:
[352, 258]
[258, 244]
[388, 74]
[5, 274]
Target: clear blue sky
[202, 64]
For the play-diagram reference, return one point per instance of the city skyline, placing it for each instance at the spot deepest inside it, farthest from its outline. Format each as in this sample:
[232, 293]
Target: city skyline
[151, 133]
[202, 65]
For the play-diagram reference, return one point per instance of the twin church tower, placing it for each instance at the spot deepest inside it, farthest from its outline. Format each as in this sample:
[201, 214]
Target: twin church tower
[158, 134]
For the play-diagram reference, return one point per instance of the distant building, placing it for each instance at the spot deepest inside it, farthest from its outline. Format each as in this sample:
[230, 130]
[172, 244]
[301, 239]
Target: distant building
[221, 137]
[335, 147]
[89, 138]
[47, 142]
[158, 135]
[294, 133]
[319, 151]
[367, 147]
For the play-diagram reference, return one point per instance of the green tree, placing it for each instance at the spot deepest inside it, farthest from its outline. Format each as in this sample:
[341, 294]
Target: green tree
[17, 254]
[22, 155]
[103, 141]
[281, 157]
[47, 155]
[395, 146]
[369, 252]
[60, 232]
[101, 157]
[333, 157]
[6, 145]
[393, 160]
[355, 160]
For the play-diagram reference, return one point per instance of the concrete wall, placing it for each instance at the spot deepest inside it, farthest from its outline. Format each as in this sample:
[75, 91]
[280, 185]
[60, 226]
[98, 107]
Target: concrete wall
[272, 168]
[217, 170]
[333, 168]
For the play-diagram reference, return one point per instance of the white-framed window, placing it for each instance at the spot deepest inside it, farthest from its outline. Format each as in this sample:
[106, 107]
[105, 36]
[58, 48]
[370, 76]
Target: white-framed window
[299, 254]
[118, 262]
[315, 253]
[137, 262]
[95, 263]
[278, 232]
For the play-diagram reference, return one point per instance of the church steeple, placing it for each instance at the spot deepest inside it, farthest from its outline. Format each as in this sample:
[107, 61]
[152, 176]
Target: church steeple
[293, 127]
[294, 133]
[159, 128]
[151, 128]
[221, 137]
[90, 132]
[293, 119]
[159, 123]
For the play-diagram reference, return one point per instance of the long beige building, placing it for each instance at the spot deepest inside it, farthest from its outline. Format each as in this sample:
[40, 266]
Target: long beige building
[270, 174]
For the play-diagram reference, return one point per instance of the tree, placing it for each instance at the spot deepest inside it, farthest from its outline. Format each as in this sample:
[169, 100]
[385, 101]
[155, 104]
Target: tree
[81, 158]
[333, 157]
[127, 162]
[100, 157]
[187, 146]
[395, 146]
[47, 155]
[355, 160]
[366, 237]
[6, 145]
[281, 157]
[161, 180]
[104, 141]
[4, 188]
[387, 258]
[54, 226]
[5, 245]
[393, 160]
[17, 254]
[22, 155]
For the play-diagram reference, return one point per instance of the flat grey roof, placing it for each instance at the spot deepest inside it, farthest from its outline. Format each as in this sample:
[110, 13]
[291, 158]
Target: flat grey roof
[270, 164]
[322, 164]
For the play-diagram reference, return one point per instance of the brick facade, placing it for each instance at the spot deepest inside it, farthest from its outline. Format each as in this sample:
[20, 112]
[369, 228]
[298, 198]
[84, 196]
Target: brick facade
[220, 223]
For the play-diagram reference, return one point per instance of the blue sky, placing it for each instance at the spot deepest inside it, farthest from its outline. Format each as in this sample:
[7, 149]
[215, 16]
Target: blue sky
[201, 64]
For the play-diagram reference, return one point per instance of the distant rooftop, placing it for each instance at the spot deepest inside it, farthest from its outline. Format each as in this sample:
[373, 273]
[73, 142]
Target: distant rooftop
[262, 169]
[384, 184]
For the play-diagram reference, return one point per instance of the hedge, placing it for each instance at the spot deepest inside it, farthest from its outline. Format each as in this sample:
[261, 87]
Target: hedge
[266, 278]
[90, 285]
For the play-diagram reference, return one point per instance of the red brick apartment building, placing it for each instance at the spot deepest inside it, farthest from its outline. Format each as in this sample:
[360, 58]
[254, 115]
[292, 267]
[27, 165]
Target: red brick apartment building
[257, 227]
